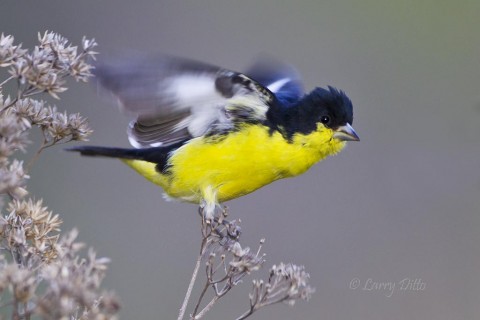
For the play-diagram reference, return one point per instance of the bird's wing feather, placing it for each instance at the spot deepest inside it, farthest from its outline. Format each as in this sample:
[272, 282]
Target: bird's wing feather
[280, 78]
[173, 99]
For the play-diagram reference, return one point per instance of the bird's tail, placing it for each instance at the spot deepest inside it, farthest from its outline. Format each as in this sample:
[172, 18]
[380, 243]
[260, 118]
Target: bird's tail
[157, 155]
[121, 153]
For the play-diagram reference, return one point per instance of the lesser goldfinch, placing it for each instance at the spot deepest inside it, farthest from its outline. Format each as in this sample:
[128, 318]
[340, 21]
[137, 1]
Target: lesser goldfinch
[207, 134]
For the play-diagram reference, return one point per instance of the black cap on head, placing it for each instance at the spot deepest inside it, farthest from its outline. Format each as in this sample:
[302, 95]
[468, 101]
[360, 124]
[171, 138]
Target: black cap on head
[330, 106]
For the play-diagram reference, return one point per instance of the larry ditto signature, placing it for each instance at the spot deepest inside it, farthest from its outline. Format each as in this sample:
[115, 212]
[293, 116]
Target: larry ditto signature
[388, 287]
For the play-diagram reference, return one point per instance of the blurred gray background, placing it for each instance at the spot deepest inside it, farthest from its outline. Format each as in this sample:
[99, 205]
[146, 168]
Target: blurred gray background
[402, 203]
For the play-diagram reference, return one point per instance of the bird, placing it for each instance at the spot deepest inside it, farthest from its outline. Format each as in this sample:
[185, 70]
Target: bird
[207, 135]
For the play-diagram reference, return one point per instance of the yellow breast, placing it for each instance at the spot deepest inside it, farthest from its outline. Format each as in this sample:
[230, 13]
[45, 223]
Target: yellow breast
[238, 163]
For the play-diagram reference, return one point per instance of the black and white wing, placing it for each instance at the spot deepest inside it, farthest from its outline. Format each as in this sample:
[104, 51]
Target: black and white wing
[174, 99]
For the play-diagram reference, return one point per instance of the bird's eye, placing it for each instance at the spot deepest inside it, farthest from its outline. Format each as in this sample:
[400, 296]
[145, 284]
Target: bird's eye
[325, 119]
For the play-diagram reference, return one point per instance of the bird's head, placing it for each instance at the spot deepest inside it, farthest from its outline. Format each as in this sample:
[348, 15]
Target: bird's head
[331, 109]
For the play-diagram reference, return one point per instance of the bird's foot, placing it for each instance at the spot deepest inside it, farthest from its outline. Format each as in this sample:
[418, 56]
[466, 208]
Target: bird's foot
[216, 219]
[207, 211]
[212, 211]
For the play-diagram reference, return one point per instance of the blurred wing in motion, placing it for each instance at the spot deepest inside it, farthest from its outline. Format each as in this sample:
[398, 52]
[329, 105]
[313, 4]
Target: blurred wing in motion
[280, 78]
[175, 99]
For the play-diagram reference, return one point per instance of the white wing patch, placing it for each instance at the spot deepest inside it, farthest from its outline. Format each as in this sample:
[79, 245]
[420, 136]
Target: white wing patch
[198, 94]
[190, 90]
[277, 85]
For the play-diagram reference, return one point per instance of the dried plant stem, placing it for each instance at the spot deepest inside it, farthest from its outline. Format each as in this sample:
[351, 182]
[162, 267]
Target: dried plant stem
[205, 288]
[6, 80]
[35, 157]
[181, 314]
[207, 307]
[45, 144]
[190, 288]
[246, 314]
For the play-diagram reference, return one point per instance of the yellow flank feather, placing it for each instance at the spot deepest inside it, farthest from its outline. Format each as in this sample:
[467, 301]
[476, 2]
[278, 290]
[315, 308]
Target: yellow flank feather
[237, 164]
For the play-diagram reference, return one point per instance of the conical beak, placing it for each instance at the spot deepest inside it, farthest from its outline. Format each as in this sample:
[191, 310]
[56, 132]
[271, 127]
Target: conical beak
[346, 133]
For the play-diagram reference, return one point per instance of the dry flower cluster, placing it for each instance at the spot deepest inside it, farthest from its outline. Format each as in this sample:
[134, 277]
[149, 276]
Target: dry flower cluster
[42, 274]
[227, 263]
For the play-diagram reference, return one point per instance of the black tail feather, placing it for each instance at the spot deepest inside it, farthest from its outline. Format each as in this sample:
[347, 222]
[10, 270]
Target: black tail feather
[109, 152]
[158, 155]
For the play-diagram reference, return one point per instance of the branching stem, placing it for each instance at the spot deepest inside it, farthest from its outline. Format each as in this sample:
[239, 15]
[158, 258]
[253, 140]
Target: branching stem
[205, 288]
[207, 307]
[190, 288]
[181, 314]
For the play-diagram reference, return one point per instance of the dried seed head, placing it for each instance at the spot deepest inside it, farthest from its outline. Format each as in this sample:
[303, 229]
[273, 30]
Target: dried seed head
[43, 274]
[12, 180]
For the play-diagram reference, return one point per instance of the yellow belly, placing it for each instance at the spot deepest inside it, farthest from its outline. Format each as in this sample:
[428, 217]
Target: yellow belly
[237, 164]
